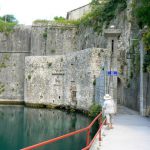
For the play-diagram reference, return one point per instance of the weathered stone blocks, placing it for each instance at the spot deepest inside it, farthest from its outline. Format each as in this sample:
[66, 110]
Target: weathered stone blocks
[63, 79]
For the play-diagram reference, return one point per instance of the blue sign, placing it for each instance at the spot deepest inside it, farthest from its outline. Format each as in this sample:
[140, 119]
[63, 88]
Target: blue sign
[112, 73]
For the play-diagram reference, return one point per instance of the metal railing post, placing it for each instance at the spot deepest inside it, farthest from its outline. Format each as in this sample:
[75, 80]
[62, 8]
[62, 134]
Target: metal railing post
[87, 129]
[100, 123]
[88, 137]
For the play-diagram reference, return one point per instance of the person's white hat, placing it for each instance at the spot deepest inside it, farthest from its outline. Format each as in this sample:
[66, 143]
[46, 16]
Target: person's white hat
[107, 96]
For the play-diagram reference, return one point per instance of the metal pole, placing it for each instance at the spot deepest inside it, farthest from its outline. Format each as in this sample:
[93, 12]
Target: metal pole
[105, 76]
[141, 79]
[100, 123]
[88, 137]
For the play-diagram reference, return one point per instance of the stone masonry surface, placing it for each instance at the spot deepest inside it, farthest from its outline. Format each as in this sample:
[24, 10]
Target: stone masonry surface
[13, 49]
[63, 79]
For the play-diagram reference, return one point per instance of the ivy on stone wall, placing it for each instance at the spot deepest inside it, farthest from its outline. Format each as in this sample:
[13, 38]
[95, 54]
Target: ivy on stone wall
[135, 61]
[6, 27]
[146, 39]
[102, 13]
[94, 110]
[146, 67]
[141, 9]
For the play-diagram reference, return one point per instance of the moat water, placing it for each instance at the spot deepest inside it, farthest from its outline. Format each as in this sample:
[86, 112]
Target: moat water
[21, 127]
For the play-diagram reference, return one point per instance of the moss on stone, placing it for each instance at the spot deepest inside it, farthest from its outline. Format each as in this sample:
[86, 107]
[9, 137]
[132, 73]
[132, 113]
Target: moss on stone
[51, 106]
[47, 106]
[35, 105]
[49, 64]
[4, 59]
[11, 102]
[45, 35]
[53, 51]
[6, 56]
[3, 65]
[29, 77]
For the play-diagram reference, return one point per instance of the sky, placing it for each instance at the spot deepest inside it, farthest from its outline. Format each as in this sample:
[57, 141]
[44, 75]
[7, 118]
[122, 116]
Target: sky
[26, 11]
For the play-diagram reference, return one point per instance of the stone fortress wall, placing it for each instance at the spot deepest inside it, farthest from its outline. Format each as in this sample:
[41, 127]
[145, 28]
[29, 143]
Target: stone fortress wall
[56, 39]
[26, 41]
[36, 40]
[63, 79]
[13, 49]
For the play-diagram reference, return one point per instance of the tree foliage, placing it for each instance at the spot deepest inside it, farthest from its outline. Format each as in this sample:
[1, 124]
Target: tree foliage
[146, 39]
[94, 110]
[56, 18]
[102, 13]
[142, 11]
[9, 18]
[7, 23]
[64, 21]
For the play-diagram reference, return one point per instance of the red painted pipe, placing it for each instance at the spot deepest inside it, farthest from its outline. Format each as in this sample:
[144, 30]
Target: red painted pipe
[66, 135]
[99, 130]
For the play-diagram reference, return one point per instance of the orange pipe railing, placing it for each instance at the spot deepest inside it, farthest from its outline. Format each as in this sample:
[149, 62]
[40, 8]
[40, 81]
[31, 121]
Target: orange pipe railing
[98, 133]
[88, 143]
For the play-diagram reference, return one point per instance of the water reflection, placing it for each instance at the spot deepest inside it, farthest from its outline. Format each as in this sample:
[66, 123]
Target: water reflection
[21, 127]
[11, 127]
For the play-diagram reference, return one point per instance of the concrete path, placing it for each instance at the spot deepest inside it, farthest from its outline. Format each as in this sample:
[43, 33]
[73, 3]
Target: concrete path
[131, 132]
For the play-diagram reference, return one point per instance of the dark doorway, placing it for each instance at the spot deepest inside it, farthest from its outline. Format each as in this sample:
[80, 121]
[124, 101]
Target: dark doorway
[119, 91]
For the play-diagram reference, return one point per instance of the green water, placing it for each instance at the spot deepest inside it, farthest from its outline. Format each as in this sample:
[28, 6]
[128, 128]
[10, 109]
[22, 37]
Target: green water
[21, 127]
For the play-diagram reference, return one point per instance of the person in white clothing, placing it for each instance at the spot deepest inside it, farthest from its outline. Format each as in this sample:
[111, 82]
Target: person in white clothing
[109, 109]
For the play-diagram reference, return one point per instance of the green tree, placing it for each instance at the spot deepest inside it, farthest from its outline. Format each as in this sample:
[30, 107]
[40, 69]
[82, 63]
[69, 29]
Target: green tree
[102, 13]
[59, 18]
[142, 11]
[7, 23]
[9, 18]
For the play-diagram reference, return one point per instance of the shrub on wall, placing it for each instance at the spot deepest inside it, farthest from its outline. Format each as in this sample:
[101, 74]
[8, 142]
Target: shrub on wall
[53, 51]
[102, 13]
[146, 65]
[45, 35]
[6, 27]
[142, 13]
[146, 39]
[94, 110]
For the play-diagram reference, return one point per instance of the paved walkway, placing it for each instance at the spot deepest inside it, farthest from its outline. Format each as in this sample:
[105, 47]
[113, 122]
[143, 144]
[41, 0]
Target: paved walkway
[131, 132]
